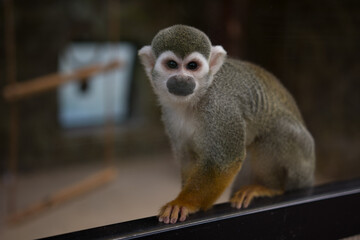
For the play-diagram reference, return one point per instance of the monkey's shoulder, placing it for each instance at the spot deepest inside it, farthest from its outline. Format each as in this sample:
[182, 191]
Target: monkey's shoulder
[255, 88]
[245, 71]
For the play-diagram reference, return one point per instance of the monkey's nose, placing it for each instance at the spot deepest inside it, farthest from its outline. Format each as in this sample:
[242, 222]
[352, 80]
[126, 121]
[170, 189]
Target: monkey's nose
[181, 86]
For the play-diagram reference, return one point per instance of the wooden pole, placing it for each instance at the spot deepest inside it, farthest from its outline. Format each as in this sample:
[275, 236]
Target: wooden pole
[10, 47]
[94, 181]
[10, 55]
[17, 91]
[109, 134]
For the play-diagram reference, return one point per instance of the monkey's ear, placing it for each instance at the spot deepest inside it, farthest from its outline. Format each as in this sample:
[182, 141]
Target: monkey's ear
[147, 58]
[217, 58]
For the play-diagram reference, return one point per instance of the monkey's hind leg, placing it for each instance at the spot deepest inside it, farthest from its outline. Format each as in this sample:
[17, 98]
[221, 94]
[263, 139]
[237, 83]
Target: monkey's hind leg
[244, 196]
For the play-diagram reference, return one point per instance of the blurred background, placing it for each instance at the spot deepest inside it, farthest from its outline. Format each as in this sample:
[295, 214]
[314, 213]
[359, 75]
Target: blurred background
[85, 131]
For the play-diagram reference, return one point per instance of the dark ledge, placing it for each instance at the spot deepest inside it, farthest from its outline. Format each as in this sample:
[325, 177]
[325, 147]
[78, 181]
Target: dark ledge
[330, 211]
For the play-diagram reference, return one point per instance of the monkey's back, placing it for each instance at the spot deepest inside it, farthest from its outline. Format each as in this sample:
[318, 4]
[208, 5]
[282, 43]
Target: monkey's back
[259, 94]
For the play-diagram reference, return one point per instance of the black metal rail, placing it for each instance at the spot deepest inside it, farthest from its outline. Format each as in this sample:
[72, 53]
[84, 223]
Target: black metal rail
[329, 211]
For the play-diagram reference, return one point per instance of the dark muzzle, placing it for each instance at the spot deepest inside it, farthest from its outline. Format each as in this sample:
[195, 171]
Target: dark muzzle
[181, 86]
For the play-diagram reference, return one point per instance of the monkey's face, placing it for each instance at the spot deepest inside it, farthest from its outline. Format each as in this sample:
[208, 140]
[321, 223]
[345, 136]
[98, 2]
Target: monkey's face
[181, 79]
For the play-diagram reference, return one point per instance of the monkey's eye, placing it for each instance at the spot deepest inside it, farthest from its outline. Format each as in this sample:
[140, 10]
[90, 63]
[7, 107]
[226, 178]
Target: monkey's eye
[172, 64]
[192, 65]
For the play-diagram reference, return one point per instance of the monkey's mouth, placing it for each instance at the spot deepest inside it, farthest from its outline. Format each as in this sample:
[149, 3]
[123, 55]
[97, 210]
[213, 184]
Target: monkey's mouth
[181, 86]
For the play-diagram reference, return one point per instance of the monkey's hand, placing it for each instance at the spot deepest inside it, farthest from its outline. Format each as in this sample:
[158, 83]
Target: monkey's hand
[246, 194]
[175, 210]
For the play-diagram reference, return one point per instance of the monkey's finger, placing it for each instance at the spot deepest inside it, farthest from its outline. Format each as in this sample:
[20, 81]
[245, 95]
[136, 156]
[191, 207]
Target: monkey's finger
[174, 214]
[183, 214]
[240, 202]
[164, 215]
[239, 199]
[233, 203]
[248, 199]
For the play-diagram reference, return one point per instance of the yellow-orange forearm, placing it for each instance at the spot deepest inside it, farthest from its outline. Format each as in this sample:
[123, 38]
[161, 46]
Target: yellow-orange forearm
[204, 186]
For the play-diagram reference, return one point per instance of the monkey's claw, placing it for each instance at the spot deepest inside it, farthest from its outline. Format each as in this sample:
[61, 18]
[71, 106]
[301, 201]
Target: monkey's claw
[246, 194]
[173, 213]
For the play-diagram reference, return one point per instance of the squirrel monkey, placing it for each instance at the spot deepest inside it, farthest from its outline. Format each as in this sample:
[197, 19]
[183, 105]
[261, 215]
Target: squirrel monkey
[219, 111]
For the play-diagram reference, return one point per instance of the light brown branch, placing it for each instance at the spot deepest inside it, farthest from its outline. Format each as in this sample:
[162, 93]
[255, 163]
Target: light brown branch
[17, 91]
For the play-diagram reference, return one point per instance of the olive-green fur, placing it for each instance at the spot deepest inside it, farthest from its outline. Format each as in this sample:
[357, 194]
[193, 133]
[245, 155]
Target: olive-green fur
[182, 40]
[247, 111]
